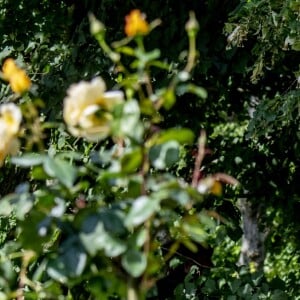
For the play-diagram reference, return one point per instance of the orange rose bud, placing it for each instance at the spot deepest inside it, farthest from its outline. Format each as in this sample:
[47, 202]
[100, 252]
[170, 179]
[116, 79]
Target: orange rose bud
[136, 24]
[216, 188]
[17, 78]
[9, 68]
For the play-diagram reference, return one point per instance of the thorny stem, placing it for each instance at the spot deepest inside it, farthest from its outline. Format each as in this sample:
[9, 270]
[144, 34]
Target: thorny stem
[199, 158]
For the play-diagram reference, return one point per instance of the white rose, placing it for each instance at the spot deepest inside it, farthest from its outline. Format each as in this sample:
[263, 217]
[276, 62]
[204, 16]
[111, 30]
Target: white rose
[11, 117]
[10, 120]
[87, 109]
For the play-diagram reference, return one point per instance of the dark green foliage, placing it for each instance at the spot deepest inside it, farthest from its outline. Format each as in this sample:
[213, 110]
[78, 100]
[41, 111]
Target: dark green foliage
[248, 54]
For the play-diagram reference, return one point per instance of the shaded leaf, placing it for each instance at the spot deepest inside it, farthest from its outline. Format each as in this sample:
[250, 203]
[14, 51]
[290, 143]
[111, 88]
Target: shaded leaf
[94, 237]
[69, 265]
[131, 161]
[164, 155]
[134, 262]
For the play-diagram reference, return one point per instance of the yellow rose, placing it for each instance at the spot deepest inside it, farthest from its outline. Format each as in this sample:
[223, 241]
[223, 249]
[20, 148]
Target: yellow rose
[87, 109]
[136, 24]
[9, 68]
[17, 78]
[20, 82]
[10, 120]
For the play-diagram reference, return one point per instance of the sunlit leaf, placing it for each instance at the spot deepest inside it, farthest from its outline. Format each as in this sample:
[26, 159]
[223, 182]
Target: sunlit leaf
[181, 135]
[142, 208]
[28, 159]
[61, 170]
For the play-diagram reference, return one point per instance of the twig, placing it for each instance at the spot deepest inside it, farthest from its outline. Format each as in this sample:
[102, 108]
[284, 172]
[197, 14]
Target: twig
[199, 158]
[188, 258]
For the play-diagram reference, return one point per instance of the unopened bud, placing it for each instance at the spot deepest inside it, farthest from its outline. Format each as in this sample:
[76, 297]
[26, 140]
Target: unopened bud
[192, 25]
[96, 27]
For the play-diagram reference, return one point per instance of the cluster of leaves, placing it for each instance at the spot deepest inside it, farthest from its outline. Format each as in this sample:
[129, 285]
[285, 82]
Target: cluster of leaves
[253, 67]
[275, 25]
[103, 220]
[229, 283]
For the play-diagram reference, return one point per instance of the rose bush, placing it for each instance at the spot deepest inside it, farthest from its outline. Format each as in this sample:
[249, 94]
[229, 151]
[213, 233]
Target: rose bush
[105, 217]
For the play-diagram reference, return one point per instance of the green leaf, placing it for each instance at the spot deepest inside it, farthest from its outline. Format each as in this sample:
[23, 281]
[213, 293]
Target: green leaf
[191, 88]
[194, 229]
[70, 264]
[28, 160]
[134, 262]
[145, 58]
[169, 99]
[164, 155]
[92, 235]
[36, 231]
[61, 170]
[234, 285]
[181, 135]
[23, 205]
[142, 208]
[138, 238]
[128, 123]
[6, 207]
[131, 161]
[95, 237]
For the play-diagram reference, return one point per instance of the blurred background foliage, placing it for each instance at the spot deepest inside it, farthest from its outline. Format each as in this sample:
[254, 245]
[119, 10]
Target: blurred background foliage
[249, 65]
